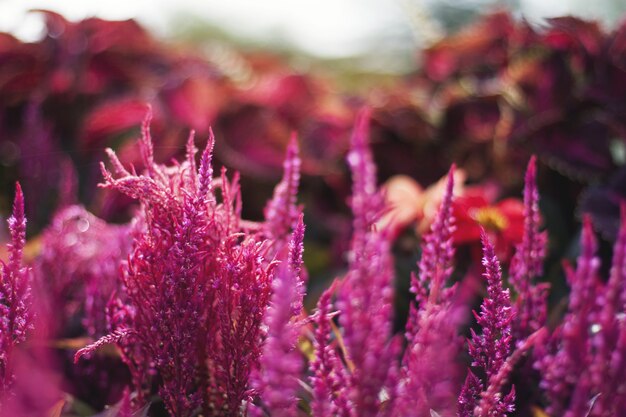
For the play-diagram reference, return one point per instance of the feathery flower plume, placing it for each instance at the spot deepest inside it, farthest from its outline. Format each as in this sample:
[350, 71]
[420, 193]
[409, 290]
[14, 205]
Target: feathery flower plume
[15, 293]
[469, 396]
[608, 370]
[281, 363]
[436, 263]
[490, 403]
[77, 269]
[195, 284]
[282, 212]
[491, 348]
[564, 367]
[328, 373]
[527, 264]
[584, 367]
[365, 297]
[429, 378]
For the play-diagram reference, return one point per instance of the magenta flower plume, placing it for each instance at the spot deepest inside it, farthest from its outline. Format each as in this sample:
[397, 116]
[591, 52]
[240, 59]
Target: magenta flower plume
[365, 298]
[281, 363]
[491, 348]
[527, 264]
[78, 267]
[281, 212]
[584, 366]
[470, 393]
[490, 403]
[15, 292]
[196, 285]
[436, 263]
[608, 370]
[565, 376]
[429, 379]
[330, 396]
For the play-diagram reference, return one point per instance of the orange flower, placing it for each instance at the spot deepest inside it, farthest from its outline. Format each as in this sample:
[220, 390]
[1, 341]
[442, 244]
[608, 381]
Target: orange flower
[409, 202]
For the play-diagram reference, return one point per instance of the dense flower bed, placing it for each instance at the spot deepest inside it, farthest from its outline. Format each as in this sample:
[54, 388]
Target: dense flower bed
[165, 289]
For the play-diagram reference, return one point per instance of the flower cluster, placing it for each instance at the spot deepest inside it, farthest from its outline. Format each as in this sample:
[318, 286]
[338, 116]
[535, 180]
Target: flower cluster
[583, 367]
[207, 309]
[195, 285]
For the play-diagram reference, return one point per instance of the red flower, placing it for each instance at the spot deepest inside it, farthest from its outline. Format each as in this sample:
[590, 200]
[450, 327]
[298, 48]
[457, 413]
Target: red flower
[503, 221]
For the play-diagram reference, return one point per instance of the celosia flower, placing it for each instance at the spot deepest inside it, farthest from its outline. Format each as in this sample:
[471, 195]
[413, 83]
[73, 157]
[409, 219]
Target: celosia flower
[328, 379]
[429, 377]
[491, 347]
[280, 363]
[608, 371]
[365, 297]
[564, 367]
[15, 294]
[527, 264]
[77, 270]
[196, 283]
[584, 367]
[281, 212]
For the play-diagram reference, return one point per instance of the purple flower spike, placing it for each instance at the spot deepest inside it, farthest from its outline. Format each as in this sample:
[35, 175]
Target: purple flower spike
[430, 381]
[527, 264]
[608, 371]
[205, 173]
[565, 367]
[491, 348]
[281, 363]
[435, 265]
[328, 374]
[491, 403]
[281, 212]
[365, 299]
[15, 293]
[469, 395]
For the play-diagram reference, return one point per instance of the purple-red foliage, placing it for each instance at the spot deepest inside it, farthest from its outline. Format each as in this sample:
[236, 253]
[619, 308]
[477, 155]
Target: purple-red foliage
[15, 293]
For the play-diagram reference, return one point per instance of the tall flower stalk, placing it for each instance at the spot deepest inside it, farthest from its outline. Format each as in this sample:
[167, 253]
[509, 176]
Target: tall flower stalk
[281, 364]
[527, 264]
[15, 293]
[490, 348]
[366, 293]
[428, 381]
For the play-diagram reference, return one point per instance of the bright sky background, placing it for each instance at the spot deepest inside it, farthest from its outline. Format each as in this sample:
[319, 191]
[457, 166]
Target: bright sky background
[328, 28]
